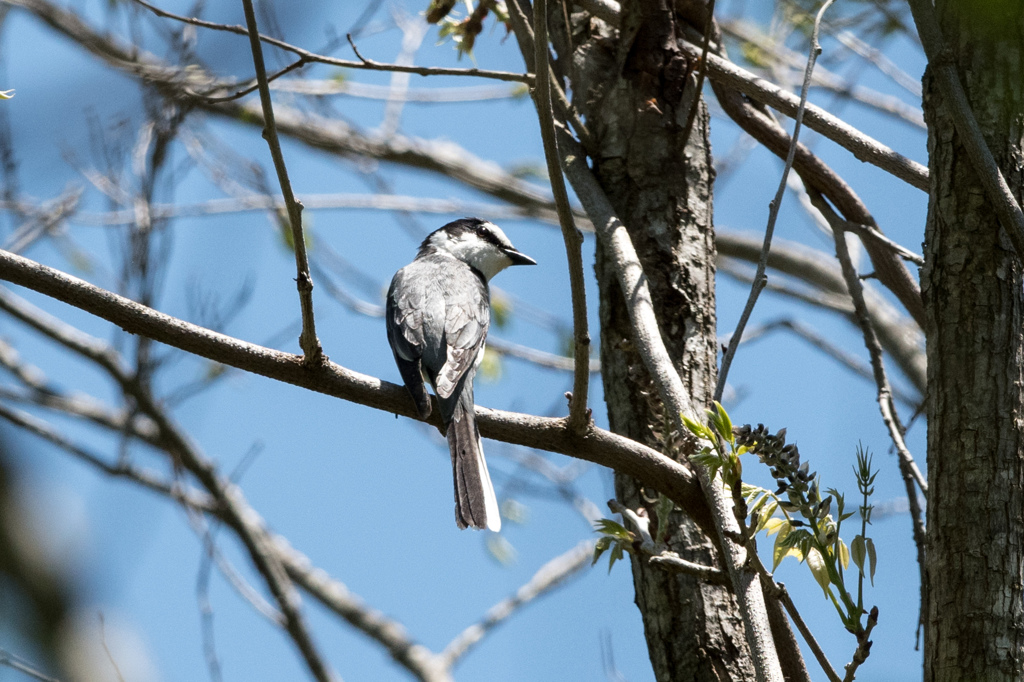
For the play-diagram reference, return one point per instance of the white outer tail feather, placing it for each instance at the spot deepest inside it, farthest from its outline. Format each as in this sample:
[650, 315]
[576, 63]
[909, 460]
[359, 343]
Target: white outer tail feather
[490, 499]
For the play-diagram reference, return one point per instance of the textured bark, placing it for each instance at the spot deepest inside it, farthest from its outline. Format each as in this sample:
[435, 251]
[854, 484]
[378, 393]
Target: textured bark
[972, 286]
[635, 94]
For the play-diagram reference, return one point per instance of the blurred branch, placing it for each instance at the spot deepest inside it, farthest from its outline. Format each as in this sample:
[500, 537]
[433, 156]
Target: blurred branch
[803, 331]
[24, 667]
[549, 576]
[825, 79]
[236, 513]
[331, 136]
[313, 202]
[363, 63]
[899, 335]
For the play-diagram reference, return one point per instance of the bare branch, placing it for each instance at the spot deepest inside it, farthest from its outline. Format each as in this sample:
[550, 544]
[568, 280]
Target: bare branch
[313, 202]
[308, 341]
[579, 413]
[760, 280]
[943, 65]
[330, 136]
[599, 446]
[147, 479]
[549, 576]
[363, 63]
[889, 414]
[16, 663]
[860, 145]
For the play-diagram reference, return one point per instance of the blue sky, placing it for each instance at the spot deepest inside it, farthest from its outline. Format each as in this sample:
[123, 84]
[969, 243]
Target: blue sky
[368, 497]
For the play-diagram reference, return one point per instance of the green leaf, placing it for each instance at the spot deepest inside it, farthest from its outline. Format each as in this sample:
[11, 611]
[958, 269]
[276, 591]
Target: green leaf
[767, 514]
[857, 552]
[696, 429]
[615, 555]
[613, 529]
[725, 424]
[773, 525]
[781, 546]
[819, 570]
[844, 555]
[872, 558]
[600, 548]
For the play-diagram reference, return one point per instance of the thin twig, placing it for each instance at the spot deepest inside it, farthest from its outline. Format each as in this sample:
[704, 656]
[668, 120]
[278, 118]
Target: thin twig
[363, 63]
[579, 413]
[760, 280]
[702, 65]
[856, 288]
[943, 64]
[16, 663]
[863, 646]
[308, 341]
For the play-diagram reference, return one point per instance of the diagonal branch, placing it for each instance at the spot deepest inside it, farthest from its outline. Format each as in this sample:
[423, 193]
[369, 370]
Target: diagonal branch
[651, 346]
[863, 147]
[546, 433]
[549, 576]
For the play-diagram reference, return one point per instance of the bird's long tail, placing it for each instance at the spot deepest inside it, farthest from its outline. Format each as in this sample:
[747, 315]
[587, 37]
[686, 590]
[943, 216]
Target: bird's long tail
[476, 504]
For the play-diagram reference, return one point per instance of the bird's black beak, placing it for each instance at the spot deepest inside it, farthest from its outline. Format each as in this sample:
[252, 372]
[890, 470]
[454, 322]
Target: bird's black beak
[519, 258]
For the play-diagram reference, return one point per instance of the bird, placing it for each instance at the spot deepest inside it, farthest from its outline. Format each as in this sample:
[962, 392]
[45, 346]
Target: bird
[437, 314]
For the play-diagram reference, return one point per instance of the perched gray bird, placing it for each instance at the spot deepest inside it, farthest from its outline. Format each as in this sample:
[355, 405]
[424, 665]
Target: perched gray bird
[438, 311]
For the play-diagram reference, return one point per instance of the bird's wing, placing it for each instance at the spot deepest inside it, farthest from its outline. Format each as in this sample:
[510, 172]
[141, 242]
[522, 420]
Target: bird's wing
[465, 330]
[405, 320]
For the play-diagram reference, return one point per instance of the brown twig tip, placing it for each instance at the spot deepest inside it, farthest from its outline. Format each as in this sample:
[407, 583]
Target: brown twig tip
[355, 50]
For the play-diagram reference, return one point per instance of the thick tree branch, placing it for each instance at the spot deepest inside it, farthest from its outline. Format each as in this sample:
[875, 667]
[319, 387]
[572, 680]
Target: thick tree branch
[651, 346]
[546, 433]
[862, 146]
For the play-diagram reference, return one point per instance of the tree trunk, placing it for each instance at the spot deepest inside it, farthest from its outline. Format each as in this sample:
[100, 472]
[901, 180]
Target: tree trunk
[631, 91]
[972, 287]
